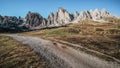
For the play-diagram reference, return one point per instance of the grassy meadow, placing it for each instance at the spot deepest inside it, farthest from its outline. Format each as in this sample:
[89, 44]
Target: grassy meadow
[103, 37]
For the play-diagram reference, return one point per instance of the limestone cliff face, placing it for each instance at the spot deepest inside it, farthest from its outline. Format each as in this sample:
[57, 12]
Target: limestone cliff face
[75, 15]
[44, 23]
[51, 19]
[61, 17]
[84, 15]
[94, 15]
[33, 19]
[10, 22]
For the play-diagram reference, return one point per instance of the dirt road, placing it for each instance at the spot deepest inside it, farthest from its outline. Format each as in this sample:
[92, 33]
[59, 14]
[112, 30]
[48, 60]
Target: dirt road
[62, 56]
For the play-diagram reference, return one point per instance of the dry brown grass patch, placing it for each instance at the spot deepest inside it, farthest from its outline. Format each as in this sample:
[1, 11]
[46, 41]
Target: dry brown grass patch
[13, 54]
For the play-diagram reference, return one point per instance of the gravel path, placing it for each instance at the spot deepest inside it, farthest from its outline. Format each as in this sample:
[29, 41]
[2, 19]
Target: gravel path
[62, 56]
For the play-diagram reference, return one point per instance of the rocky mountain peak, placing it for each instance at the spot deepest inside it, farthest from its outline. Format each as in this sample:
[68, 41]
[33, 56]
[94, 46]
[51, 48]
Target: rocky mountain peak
[104, 13]
[60, 9]
[61, 17]
[96, 10]
[96, 14]
[76, 14]
[33, 19]
[10, 22]
[50, 19]
[51, 16]
[84, 15]
[64, 16]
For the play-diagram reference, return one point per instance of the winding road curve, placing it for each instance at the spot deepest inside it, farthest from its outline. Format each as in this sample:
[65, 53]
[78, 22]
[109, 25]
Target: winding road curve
[62, 56]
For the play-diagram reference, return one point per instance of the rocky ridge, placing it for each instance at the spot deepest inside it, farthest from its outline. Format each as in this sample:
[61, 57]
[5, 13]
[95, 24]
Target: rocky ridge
[10, 23]
[60, 18]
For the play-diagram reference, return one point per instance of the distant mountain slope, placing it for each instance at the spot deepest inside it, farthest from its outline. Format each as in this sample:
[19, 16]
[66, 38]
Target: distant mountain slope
[61, 17]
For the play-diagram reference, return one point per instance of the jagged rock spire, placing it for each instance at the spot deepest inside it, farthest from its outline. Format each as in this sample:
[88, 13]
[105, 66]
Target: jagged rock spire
[33, 19]
[61, 17]
[76, 14]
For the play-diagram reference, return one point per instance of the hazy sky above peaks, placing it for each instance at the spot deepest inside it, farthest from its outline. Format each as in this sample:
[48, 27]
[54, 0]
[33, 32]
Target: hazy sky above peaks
[45, 7]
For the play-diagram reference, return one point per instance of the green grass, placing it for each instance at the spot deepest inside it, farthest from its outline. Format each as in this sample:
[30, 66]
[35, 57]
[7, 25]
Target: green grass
[13, 54]
[59, 32]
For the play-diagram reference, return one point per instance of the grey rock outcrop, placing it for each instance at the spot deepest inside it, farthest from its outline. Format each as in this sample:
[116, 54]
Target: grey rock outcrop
[10, 21]
[75, 15]
[84, 15]
[94, 15]
[61, 17]
[51, 19]
[104, 14]
[44, 22]
[33, 19]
